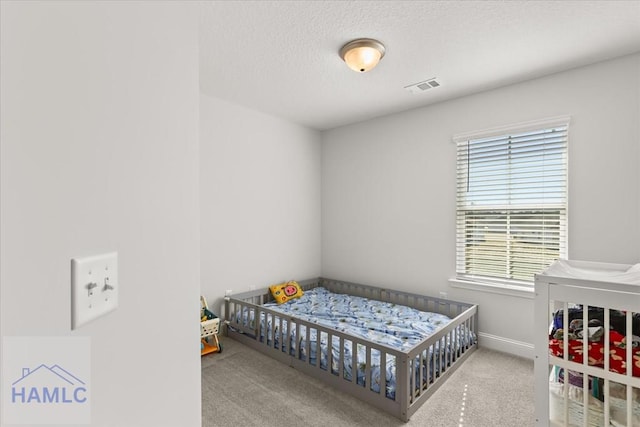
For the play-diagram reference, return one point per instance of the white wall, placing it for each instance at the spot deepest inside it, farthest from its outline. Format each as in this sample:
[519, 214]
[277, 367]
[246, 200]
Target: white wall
[388, 185]
[100, 152]
[259, 198]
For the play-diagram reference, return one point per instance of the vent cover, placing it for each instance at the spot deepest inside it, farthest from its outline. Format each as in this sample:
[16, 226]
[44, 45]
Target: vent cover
[423, 86]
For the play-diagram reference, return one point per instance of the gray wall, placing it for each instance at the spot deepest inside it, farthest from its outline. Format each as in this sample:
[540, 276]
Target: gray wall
[259, 198]
[388, 186]
[99, 152]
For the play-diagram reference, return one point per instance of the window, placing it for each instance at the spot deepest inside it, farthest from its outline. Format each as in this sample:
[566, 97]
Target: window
[511, 201]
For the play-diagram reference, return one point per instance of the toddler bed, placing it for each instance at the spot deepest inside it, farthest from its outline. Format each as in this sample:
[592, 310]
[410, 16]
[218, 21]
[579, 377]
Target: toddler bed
[392, 349]
[587, 345]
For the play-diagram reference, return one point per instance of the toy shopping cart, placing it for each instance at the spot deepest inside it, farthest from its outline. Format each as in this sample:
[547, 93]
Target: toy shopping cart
[209, 327]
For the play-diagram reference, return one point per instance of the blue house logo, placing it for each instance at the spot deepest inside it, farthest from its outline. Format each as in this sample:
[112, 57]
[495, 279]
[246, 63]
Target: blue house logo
[48, 385]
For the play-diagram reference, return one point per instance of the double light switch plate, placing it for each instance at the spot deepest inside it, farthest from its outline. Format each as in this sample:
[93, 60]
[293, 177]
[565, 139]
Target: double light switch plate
[94, 287]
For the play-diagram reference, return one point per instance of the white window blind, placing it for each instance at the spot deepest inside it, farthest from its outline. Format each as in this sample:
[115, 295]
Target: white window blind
[512, 201]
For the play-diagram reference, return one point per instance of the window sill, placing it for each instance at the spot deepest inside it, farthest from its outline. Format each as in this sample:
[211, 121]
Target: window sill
[493, 287]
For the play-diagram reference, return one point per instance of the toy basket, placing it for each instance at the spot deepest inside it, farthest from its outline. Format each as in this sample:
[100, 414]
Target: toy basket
[209, 327]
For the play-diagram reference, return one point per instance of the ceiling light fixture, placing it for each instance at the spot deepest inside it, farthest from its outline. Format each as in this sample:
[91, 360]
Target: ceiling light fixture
[362, 55]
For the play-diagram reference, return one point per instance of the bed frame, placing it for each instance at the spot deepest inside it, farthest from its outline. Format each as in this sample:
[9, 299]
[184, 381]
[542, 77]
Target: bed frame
[556, 293]
[408, 396]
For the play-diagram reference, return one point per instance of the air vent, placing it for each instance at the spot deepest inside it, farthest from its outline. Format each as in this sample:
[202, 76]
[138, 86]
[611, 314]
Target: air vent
[423, 86]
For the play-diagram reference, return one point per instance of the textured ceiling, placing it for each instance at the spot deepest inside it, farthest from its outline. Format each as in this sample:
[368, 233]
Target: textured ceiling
[281, 57]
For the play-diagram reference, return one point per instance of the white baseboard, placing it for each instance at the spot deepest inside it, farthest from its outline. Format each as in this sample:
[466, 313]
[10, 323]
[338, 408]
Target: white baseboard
[505, 345]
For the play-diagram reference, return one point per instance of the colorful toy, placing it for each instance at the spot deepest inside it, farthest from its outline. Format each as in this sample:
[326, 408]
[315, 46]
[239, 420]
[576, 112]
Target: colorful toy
[209, 327]
[284, 292]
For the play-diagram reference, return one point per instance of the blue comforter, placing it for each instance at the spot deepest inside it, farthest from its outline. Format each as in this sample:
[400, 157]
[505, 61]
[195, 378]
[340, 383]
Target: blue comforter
[395, 325]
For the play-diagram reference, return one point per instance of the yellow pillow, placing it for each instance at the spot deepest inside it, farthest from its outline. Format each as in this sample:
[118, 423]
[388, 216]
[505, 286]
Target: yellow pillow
[284, 292]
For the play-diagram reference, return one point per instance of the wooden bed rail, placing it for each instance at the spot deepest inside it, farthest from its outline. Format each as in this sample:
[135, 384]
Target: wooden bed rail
[419, 302]
[278, 345]
[460, 333]
[419, 371]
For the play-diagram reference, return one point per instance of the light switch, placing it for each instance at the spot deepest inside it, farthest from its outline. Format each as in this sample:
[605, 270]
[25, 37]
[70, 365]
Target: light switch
[94, 287]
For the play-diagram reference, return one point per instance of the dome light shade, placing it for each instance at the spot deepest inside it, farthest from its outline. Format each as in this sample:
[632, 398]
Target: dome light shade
[362, 55]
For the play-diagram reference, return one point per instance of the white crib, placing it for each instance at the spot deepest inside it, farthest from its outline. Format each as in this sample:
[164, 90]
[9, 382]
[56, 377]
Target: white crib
[566, 284]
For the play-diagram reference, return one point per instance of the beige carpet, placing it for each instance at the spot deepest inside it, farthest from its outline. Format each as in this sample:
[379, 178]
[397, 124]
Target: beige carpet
[241, 387]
